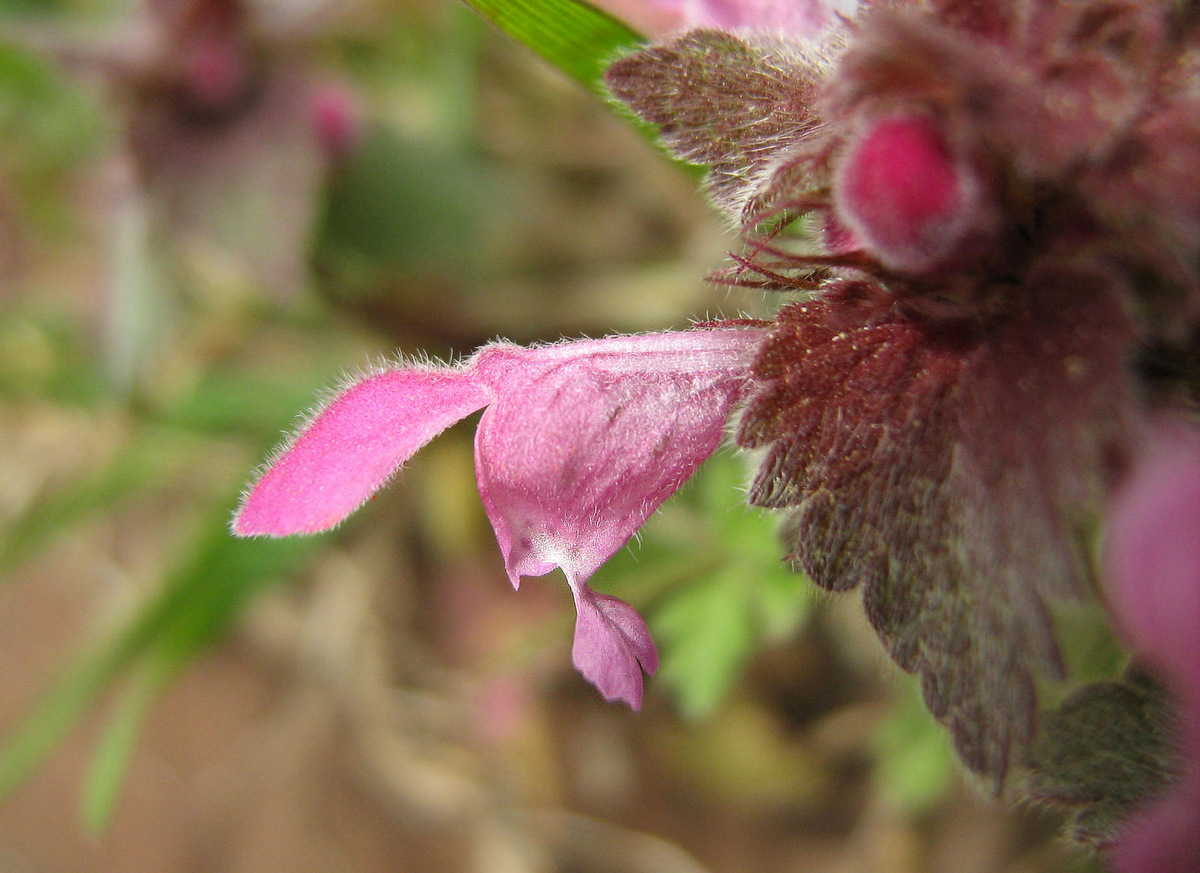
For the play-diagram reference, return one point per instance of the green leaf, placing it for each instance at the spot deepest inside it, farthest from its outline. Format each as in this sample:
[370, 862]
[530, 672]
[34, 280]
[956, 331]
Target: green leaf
[784, 598]
[115, 749]
[404, 205]
[575, 37]
[232, 403]
[707, 633]
[915, 758]
[48, 124]
[46, 358]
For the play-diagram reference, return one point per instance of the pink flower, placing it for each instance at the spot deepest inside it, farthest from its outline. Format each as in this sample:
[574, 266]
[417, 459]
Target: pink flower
[1153, 558]
[952, 395]
[579, 443]
[1165, 838]
[795, 17]
[337, 120]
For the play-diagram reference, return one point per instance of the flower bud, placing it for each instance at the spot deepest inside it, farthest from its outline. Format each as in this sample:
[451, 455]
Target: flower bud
[903, 195]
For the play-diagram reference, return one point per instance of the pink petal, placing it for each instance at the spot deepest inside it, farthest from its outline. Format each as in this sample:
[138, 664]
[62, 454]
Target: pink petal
[586, 439]
[650, 18]
[612, 646]
[353, 446]
[1152, 555]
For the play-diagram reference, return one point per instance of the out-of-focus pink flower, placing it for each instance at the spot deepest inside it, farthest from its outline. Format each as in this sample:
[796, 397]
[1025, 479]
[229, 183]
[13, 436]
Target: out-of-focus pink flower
[207, 41]
[1153, 558]
[795, 17]
[580, 442]
[656, 18]
[337, 120]
[1165, 838]
[229, 150]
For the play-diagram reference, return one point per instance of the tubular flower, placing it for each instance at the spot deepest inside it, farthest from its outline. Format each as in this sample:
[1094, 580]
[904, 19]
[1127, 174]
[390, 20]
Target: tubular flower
[579, 443]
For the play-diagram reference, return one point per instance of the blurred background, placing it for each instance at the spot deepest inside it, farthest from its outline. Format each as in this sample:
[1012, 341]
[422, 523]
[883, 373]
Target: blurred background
[210, 212]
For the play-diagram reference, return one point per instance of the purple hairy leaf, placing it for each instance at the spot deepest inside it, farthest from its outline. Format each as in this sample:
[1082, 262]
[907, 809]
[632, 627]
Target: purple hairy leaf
[1124, 723]
[948, 471]
[725, 104]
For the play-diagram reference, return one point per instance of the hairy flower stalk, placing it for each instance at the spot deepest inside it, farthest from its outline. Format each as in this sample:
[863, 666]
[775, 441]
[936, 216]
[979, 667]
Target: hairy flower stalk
[990, 214]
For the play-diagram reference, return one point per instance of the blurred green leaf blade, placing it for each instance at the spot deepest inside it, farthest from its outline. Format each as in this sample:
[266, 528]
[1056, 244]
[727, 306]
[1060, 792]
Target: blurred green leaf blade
[198, 602]
[577, 38]
[143, 462]
[116, 746]
[915, 760]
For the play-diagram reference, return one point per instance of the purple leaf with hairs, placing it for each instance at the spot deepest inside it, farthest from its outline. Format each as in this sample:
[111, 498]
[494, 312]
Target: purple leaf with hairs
[946, 470]
[736, 107]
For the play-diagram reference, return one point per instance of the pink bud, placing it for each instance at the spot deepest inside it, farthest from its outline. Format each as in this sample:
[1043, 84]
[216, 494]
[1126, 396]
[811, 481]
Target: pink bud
[216, 73]
[902, 193]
